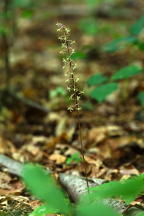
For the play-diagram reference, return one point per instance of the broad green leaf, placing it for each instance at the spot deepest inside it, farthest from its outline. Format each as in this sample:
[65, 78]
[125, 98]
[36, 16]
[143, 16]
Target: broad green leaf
[42, 185]
[89, 26]
[140, 98]
[96, 79]
[118, 44]
[138, 26]
[94, 209]
[127, 190]
[43, 210]
[100, 93]
[127, 72]
[78, 55]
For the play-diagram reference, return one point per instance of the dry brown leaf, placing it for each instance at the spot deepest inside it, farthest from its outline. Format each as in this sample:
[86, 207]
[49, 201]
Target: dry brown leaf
[99, 134]
[59, 159]
[6, 147]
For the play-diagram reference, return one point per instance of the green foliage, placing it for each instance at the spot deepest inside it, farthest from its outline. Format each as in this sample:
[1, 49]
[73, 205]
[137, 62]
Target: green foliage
[86, 208]
[43, 210]
[132, 38]
[140, 97]
[21, 3]
[27, 13]
[3, 30]
[101, 92]
[43, 186]
[96, 79]
[118, 44]
[141, 214]
[96, 3]
[89, 26]
[138, 26]
[78, 55]
[128, 190]
[127, 72]
[75, 158]
[59, 91]
[92, 3]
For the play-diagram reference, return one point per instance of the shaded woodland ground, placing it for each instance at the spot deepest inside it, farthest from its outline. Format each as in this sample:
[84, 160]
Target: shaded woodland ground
[35, 125]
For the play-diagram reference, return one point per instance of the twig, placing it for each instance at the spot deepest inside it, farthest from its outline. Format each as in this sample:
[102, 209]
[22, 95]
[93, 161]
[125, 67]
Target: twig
[29, 102]
[14, 167]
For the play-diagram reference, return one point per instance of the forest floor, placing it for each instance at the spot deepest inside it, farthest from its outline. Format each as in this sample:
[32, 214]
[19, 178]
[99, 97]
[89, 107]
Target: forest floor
[112, 131]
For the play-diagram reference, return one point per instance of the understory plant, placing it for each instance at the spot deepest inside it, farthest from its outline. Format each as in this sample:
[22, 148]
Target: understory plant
[41, 183]
[134, 40]
[72, 81]
[102, 86]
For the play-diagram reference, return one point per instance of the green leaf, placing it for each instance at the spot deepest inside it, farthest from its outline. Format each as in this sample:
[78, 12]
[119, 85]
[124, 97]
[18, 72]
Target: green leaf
[27, 14]
[127, 72]
[76, 158]
[93, 3]
[100, 93]
[141, 214]
[140, 46]
[127, 190]
[59, 91]
[42, 185]
[96, 79]
[138, 26]
[118, 44]
[140, 97]
[21, 3]
[3, 30]
[43, 210]
[78, 55]
[89, 26]
[94, 209]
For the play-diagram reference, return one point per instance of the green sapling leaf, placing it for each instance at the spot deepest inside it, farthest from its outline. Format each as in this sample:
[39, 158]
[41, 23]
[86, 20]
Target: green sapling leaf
[127, 72]
[100, 93]
[118, 44]
[96, 79]
[43, 210]
[43, 186]
[138, 26]
[128, 190]
[95, 209]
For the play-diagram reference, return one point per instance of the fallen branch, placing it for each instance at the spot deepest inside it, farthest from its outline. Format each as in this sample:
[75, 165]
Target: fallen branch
[75, 186]
[9, 96]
